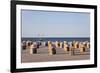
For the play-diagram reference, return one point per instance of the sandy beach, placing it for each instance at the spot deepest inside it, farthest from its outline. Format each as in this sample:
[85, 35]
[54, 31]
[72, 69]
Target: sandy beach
[43, 56]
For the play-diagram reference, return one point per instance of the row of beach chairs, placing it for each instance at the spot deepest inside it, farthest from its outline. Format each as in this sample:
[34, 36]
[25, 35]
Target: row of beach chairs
[52, 46]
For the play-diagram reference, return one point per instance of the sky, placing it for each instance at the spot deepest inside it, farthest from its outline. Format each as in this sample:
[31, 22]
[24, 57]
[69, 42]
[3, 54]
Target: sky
[54, 24]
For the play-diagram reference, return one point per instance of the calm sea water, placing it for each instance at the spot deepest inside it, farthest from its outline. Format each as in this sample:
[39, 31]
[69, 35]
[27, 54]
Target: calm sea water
[57, 39]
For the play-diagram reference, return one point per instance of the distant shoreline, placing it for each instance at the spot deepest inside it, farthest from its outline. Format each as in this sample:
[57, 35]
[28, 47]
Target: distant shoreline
[55, 37]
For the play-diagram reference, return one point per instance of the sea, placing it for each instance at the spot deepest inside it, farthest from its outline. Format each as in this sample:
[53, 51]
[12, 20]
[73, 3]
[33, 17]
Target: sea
[68, 39]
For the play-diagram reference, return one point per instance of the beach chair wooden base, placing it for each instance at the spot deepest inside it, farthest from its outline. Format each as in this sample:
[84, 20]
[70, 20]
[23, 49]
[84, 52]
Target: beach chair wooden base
[37, 46]
[82, 50]
[34, 51]
[67, 49]
[72, 51]
[46, 44]
[52, 51]
[24, 48]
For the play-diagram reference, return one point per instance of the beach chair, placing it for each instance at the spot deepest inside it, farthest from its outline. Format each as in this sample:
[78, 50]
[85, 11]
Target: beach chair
[24, 47]
[61, 45]
[51, 49]
[72, 48]
[66, 47]
[33, 49]
[82, 47]
[56, 43]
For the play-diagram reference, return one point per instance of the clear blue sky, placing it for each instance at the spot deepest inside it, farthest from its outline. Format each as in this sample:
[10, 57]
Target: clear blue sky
[55, 24]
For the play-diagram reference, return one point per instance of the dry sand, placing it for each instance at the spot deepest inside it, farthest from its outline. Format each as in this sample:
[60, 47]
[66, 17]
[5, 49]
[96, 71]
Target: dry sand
[43, 56]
